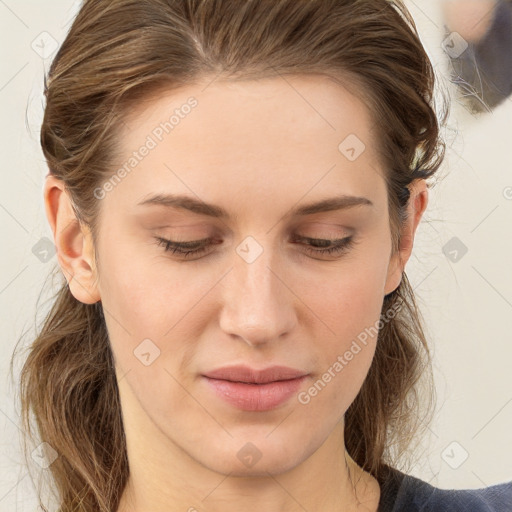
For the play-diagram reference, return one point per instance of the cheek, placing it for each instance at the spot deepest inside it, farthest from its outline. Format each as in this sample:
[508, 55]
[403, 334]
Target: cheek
[349, 298]
[348, 308]
[140, 301]
[149, 329]
[140, 287]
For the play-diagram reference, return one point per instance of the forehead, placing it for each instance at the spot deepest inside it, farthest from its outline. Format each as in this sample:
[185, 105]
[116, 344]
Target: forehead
[290, 104]
[300, 135]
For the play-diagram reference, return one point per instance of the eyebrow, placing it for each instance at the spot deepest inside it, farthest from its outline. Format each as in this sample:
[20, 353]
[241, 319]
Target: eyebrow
[200, 207]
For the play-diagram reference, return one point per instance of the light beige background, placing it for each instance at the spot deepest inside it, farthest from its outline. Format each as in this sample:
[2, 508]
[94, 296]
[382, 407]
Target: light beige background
[467, 304]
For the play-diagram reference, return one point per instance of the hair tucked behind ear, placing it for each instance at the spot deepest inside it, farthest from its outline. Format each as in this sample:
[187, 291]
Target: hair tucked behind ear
[119, 53]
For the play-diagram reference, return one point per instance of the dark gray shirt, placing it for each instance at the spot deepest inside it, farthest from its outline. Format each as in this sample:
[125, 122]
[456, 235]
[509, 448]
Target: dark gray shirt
[406, 493]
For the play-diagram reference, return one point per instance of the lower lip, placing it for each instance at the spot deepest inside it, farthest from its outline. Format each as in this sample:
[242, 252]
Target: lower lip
[255, 397]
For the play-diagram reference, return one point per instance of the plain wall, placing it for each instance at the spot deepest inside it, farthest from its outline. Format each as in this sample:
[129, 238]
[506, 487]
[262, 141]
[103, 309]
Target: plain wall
[467, 304]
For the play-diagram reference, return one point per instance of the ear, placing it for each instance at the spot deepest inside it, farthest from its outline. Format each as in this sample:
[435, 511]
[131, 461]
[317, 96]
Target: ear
[73, 242]
[416, 205]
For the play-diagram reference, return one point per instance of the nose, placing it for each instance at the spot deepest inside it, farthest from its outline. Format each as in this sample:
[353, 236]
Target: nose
[258, 302]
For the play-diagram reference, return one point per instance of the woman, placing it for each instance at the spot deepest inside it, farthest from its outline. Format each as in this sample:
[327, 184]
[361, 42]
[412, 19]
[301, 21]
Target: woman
[234, 191]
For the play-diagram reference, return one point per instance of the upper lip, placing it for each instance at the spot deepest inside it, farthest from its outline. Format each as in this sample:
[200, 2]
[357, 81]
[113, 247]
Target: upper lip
[255, 376]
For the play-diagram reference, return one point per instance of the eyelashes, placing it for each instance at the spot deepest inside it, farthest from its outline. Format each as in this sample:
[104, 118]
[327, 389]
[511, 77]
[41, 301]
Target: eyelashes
[334, 247]
[313, 246]
[186, 249]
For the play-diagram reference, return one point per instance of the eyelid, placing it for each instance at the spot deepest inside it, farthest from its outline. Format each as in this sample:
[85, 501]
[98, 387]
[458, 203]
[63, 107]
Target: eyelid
[335, 247]
[327, 231]
[323, 229]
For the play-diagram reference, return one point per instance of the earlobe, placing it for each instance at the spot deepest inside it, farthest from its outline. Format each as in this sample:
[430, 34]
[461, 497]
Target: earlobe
[416, 206]
[73, 242]
[394, 277]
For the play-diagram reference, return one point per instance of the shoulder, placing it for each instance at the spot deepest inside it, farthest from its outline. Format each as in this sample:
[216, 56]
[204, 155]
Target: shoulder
[496, 498]
[415, 495]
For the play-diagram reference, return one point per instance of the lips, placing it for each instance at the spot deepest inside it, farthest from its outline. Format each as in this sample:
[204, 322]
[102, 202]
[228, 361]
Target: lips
[254, 390]
[254, 376]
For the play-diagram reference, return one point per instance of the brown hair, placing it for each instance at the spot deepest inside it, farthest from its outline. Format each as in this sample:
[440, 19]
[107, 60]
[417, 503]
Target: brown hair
[119, 53]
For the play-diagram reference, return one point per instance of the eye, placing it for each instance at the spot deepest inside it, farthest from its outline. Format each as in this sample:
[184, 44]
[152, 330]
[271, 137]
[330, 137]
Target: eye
[186, 249]
[330, 247]
[316, 246]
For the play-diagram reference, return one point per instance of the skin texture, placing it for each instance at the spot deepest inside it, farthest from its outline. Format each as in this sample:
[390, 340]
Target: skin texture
[258, 149]
[470, 18]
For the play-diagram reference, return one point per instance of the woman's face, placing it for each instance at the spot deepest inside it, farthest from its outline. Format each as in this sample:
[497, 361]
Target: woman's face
[261, 293]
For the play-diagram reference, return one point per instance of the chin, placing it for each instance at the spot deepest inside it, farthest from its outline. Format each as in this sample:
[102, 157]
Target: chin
[256, 457]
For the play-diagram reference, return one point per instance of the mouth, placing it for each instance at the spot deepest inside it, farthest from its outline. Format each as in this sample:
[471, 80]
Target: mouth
[254, 396]
[248, 375]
